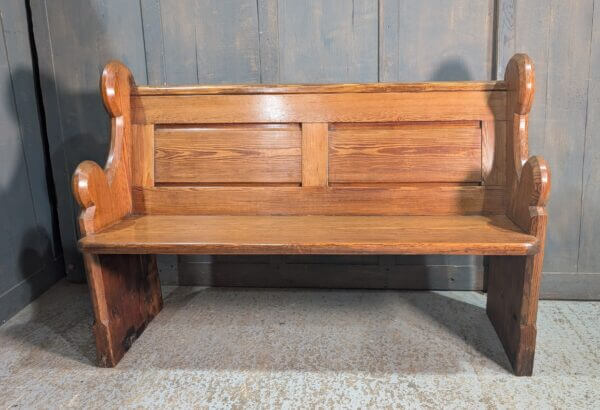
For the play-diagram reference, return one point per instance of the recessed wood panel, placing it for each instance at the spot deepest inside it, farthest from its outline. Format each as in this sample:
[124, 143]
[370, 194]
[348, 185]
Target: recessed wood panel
[332, 107]
[418, 199]
[405, 152]
[228, 154]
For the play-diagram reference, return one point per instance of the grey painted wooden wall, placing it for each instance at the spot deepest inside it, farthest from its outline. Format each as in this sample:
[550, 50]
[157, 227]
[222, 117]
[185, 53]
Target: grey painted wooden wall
[272, 41]
[30, 254]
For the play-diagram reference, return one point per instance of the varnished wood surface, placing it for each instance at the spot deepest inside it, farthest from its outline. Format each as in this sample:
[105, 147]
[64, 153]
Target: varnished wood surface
[228, 154]
[125, 289]
[315, 148]
[495, 235]
[411, 152]
[361, 170]
[142, 156]
[417, 199]
[320, 88]
[493, 152]
[105, 194]
[514, 282]
[333, 107]
[126, 296]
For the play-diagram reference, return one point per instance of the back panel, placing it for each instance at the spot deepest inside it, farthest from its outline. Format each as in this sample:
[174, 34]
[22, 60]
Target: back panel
[405, 152]
[228, 154]
[397, 153]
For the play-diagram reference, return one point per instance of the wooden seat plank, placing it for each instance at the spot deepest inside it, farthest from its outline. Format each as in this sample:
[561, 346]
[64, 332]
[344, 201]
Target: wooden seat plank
[220, 234]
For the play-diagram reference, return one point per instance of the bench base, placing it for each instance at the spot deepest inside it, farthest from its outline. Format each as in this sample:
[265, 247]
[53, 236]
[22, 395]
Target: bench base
[512, 302]
[126, 296]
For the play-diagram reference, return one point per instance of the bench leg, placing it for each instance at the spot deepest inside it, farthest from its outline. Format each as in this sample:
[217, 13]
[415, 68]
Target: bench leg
[512, 301]
[126, 295]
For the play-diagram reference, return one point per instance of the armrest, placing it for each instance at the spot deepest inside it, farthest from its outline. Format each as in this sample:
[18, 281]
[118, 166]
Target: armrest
[530, 193]
[528, 179]
[105, 194]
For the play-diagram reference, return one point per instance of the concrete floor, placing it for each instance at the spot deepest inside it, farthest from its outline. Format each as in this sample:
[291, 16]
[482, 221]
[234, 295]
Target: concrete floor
[299, 348]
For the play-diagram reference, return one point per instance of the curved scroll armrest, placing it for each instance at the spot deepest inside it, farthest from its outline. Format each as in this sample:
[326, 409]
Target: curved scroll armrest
[531, 192]
[103, 202]
[90, 184]
[105, 194]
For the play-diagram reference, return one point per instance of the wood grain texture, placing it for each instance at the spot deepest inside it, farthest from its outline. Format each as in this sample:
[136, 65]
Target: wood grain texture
[312, 234]
[426, 173]
[493, 152]
[513, 293]
[386, 200]
[346, 107]
[269, 153]
[513, 300]
[409, 152]
[105, 194]
[142, 155]
[126, 295]
[314, 154]
[125, 290]
[234, 89]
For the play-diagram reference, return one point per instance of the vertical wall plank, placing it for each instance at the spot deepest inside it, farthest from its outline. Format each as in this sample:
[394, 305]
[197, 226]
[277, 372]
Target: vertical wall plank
[74, 39]
[564, 122]
[505, 45]
[211, 42]
[227, 47]
[268, 37]
[557, 36]
[154, 46]
[178, 18]
[451, 41]
[30, 254]
[328, 41]
[389, 41]
[589, 246]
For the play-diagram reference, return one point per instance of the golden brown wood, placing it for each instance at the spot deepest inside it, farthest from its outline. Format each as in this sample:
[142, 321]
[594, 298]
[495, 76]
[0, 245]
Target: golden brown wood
[143, 155]
[350, 107]
[225, 154]
[513, 284]
[493, 152]
[421, 199]
[126, 295]
[338, 168]
[405, 152]
[314, 154]
[105, 195]
[320, 88]
[125, 290]
[223, 234]
[513, 293]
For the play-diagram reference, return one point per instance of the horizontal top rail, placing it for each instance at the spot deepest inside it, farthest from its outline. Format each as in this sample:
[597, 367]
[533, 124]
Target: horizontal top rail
[320, 88]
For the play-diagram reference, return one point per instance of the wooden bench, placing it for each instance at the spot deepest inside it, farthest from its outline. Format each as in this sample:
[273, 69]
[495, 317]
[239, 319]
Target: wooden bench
[423, 168]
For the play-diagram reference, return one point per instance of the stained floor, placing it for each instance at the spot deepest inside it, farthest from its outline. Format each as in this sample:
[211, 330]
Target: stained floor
[219, 347]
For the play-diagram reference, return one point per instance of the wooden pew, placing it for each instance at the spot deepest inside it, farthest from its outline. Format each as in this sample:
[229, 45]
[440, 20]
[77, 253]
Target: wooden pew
[422, 168]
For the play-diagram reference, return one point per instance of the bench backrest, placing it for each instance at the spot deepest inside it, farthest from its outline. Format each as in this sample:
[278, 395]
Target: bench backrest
[349, 149]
